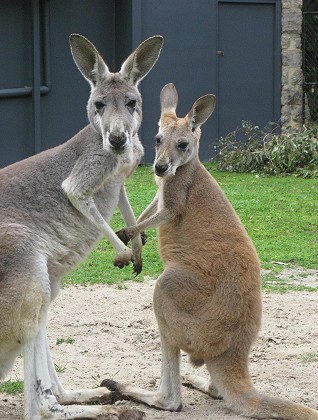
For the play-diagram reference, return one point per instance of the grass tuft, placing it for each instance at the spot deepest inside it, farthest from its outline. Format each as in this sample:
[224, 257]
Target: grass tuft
[273, 283]
[64, 340]
[59, 368]
[11, 386]
[310, 357]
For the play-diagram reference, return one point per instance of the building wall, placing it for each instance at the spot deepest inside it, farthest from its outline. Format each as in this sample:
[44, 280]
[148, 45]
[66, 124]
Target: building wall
[292, 76]
[218, 56]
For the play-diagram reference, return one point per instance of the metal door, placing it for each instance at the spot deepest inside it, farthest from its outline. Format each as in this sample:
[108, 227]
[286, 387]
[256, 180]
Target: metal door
[188, 60]
[230, 48]
[15, 79]
[42, 94]
[248, 51]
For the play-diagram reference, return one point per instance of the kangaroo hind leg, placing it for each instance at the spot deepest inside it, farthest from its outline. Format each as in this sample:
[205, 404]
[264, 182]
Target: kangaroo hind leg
[25, 296]
[202, 384]
[20, 295]
[168, 394]
[44, 395]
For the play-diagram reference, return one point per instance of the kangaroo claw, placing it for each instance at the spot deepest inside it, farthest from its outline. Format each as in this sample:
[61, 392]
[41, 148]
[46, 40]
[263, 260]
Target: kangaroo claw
[143, 238]
[137, 266]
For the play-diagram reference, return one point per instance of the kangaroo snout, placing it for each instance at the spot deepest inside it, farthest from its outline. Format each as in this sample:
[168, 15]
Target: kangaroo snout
[161, 165]
[118, 141]
[160, 168]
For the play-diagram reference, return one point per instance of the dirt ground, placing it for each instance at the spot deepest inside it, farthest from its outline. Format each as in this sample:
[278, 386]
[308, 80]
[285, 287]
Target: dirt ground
[115, 336]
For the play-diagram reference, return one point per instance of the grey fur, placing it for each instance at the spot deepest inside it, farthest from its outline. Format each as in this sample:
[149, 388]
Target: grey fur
[55, 206]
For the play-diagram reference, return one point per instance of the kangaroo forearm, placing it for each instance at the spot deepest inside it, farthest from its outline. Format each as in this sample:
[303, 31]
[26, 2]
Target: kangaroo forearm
[88, 208]
[130, 220]
[149, 211]
[125, 208]
[159, 218]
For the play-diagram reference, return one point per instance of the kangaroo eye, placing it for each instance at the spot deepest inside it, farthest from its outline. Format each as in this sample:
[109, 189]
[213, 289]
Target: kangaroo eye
[183, 145]
[99, 105]
[158, 140]
[131, 103]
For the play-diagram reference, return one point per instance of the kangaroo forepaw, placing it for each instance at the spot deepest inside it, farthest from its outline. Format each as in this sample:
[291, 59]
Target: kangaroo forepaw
[120, 263]
[123, 258]
[123, 236]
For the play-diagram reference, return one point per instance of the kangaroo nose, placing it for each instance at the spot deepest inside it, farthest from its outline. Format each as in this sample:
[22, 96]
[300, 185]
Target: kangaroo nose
[117, 141]
[161, 169]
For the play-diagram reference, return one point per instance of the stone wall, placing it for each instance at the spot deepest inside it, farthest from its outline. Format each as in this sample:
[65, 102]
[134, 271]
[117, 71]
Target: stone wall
[292, 76]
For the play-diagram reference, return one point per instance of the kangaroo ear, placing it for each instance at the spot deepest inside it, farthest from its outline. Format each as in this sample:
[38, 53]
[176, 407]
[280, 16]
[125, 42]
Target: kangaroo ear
[201, 111]
[141, 61]
[88, 59]
[169, 99]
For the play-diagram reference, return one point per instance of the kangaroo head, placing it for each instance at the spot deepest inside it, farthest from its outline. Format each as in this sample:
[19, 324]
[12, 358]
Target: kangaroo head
[177, 141]
[114, 106]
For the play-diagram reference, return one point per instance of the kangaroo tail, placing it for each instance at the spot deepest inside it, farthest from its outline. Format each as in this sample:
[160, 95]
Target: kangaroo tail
[231, 378]
[254, 404]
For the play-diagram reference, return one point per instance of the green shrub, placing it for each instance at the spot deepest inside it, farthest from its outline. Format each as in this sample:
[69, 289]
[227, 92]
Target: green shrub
[269, 153]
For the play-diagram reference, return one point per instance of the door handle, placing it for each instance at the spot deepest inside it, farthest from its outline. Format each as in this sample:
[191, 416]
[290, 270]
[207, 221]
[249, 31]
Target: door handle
[221, 53]
[46, 88]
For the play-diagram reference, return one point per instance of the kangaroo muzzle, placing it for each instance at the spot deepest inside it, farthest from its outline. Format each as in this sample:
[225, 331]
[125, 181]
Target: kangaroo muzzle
[118, 141]
[161, 165]
[161, 169]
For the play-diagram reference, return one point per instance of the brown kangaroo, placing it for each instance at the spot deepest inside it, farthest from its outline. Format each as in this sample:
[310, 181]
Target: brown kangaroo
[208, 299]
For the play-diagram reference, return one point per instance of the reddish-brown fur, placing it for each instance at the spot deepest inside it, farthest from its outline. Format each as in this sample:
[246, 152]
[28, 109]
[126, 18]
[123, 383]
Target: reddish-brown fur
[208, 299]
[210, 244]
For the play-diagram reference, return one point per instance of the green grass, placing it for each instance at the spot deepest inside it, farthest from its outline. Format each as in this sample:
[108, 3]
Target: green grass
[279, 213]
[11, 386]
[273, 283]
[64, 341]
[310, 357]
[59, 368]
[98, 268]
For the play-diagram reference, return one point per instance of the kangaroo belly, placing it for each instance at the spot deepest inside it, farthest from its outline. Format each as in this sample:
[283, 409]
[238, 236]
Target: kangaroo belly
[205, 312]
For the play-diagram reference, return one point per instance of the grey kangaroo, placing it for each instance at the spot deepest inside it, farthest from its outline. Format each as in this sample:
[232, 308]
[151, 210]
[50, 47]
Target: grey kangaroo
[208, 299]
[54, 207]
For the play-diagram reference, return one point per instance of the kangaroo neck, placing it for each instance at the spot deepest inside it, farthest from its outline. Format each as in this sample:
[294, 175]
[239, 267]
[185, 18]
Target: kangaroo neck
[189, 169]
[183, 178]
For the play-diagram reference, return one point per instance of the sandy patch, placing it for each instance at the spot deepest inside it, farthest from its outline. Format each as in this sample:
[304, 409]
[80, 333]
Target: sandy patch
[115, 336]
